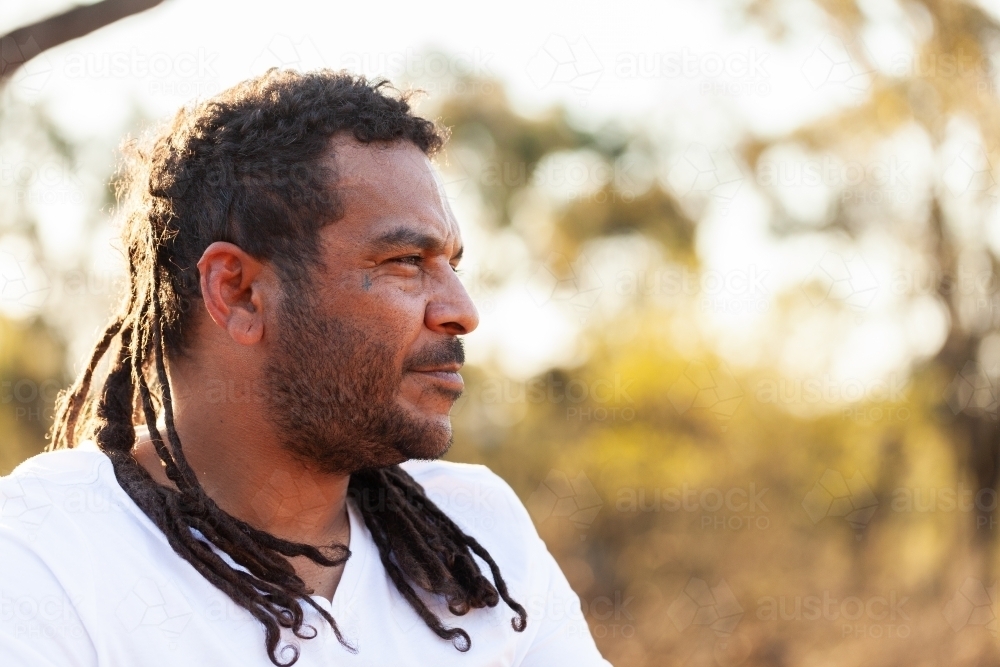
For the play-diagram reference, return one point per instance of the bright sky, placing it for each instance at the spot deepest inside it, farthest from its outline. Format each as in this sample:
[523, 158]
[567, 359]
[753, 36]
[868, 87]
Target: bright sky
[688, 70]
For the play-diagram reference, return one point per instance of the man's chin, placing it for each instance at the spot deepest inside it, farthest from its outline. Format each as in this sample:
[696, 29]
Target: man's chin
[435, 442]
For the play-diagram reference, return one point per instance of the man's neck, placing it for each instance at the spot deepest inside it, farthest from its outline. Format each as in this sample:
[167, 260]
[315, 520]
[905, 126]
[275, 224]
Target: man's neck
[274, 493]
[286, 501]
[239, 460]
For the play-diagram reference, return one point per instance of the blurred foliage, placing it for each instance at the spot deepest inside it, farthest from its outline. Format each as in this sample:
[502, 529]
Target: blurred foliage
[32, 372]
[889, 504]
[500, 151]
[674, 469]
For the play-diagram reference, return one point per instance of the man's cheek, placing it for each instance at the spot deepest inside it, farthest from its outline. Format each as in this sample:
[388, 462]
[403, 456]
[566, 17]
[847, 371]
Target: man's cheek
[400, 319]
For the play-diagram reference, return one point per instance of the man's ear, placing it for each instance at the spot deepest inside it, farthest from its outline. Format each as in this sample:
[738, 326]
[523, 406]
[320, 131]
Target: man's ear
[233, 289]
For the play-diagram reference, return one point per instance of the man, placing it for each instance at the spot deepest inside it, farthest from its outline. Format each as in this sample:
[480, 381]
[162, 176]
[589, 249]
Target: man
[290, 341]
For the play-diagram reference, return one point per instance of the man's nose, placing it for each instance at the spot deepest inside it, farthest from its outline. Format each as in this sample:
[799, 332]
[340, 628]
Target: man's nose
[451, 311]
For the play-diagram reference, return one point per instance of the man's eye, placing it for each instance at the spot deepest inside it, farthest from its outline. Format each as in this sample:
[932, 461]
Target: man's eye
[410, 259]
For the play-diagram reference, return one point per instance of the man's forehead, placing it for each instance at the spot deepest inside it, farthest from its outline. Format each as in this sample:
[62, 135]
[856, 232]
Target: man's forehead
[361, 164]
[391, 185]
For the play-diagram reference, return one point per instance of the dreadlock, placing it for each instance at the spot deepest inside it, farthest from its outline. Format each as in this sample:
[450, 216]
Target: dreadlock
[247, 167]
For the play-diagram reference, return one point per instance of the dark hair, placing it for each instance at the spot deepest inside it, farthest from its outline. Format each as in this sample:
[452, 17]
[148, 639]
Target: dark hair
[251, 167]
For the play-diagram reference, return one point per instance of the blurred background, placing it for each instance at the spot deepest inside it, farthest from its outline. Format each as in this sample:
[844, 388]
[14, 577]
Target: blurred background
[736, 262]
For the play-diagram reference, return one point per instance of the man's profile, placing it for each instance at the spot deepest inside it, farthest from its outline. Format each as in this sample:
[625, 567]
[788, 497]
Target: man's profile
[246, 470]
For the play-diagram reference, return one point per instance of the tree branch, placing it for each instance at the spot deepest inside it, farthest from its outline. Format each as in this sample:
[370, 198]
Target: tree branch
[21, 45]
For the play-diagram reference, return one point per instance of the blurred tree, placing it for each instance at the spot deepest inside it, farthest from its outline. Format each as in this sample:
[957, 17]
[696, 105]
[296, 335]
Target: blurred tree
[32, 372]
[33, 364]
[508, 150]
[678, 426]
[944, 94]
[21, 45]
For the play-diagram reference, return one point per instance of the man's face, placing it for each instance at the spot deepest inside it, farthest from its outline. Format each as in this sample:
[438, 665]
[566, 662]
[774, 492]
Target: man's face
[363, 368]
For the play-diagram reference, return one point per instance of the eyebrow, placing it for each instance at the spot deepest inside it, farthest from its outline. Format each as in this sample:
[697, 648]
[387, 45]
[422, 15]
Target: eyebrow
[406, 237]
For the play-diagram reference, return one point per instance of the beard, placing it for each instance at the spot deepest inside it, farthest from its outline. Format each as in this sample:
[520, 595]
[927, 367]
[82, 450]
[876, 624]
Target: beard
[333, 387]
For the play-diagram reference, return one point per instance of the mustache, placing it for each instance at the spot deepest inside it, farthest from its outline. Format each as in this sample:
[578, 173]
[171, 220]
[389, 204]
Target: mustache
[448, 351]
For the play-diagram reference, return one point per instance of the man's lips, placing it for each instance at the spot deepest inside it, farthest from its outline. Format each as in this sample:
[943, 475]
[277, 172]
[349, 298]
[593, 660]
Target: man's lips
[446, 375]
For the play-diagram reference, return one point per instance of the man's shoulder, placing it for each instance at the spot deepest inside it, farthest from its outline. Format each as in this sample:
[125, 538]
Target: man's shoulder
[477, 499]
[60, 471]
[452, 473]
[61, 466]
[448, 482]
[57, 490]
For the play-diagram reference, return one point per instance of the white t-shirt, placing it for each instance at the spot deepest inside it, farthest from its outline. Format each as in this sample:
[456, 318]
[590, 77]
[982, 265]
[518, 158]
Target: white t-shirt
[87, 579]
